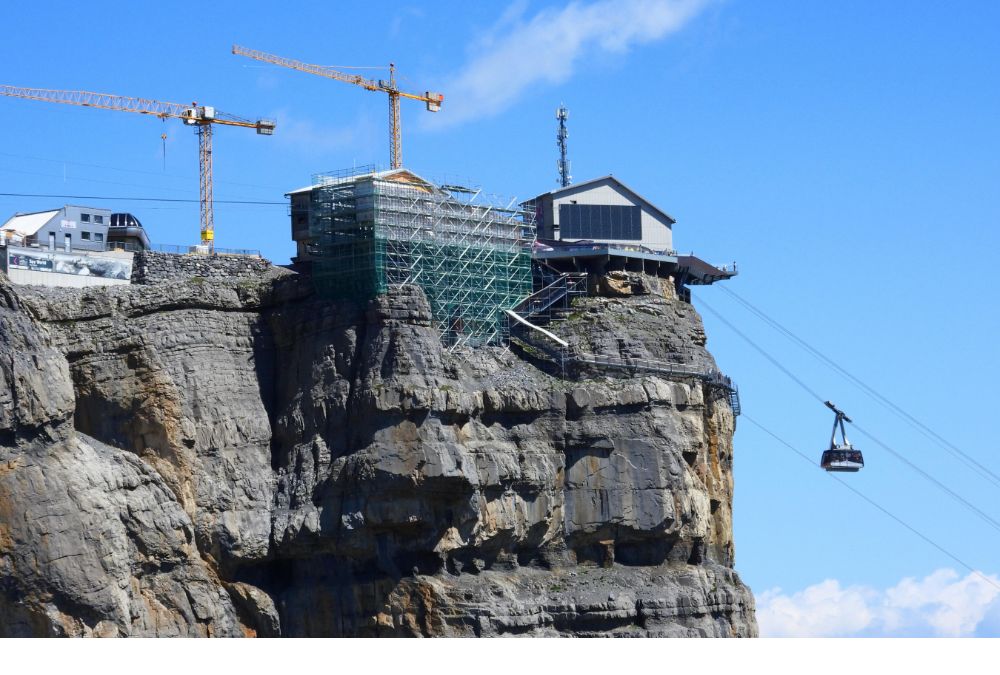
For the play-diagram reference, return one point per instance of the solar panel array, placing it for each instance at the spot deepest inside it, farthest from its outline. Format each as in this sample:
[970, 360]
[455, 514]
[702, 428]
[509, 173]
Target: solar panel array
[592, 221]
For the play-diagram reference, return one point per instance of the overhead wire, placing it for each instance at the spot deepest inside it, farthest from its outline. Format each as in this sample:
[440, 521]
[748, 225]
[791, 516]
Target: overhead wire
[777, 364]
[976, 466]
[872, 502]
[64, 178]
[159, 174]
[143, 199]
[95, 180]
[995, 524]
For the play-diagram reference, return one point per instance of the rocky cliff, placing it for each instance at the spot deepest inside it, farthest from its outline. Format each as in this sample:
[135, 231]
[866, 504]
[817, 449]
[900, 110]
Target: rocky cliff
[204, 457]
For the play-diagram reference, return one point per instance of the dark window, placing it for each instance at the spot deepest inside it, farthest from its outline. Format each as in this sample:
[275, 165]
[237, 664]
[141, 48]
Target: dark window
[592, 221]
[85, 217]
[124, 220]
[99, 219]
[85, 235]
[98, 236]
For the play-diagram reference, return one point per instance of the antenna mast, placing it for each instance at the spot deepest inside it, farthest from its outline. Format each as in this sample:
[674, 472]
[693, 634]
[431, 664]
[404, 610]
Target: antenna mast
[564, 178]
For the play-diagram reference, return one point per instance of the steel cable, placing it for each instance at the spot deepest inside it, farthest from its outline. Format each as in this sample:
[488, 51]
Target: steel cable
[951, 493]
[983, 471]
[871, 501]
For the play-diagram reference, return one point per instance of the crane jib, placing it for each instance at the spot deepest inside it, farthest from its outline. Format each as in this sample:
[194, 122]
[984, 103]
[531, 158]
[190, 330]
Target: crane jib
[432, 99]
[202, 117]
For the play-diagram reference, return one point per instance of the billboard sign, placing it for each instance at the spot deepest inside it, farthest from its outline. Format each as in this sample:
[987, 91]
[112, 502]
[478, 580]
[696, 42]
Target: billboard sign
[69, 263]
[23, 261]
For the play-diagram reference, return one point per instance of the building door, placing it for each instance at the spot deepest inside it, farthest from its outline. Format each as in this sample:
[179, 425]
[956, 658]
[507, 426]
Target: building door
[68, 243]
[52, 241]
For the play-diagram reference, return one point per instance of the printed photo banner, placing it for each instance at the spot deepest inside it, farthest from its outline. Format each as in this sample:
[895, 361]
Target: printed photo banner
[69, 263]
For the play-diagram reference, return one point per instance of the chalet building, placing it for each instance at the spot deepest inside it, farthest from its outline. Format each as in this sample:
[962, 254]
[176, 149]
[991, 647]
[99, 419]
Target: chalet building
[74, 246]
[602, 225]
[605, 210]
[67, 229]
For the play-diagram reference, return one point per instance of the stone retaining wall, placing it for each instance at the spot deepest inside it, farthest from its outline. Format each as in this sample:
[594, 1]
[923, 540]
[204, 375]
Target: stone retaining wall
[151, 267]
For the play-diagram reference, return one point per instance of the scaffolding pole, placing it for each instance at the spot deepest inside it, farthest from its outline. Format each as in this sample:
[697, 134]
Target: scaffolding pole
[466, 251]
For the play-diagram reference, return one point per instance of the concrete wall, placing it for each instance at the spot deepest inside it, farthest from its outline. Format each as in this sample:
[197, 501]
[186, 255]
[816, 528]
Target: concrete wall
[52, 279]
[151, 267]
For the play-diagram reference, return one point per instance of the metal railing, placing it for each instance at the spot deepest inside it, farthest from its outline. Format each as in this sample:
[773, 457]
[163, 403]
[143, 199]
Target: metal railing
[534, 337]
[712, 377]
[82, 246]
[131, 247]
[562, 356]
[727, 267]
[126, 246]
[177, 249]
[560, 292]
[599, 247]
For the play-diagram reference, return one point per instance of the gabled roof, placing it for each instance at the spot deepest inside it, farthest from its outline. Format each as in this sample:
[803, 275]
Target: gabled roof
[626, 188]
[95, 209]
[402, 175]
[27, 224]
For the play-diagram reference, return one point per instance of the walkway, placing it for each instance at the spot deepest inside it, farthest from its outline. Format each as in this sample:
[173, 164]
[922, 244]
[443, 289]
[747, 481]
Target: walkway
[558, 295]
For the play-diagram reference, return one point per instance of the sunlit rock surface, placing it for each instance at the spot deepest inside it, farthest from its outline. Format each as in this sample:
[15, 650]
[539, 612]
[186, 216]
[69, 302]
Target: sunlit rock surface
[213, 458]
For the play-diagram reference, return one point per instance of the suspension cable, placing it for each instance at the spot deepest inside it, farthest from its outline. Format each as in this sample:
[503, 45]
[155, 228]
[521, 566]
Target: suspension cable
[951, 493]
[954, 495]
[763, 353]
[871, 501]
[968, 460]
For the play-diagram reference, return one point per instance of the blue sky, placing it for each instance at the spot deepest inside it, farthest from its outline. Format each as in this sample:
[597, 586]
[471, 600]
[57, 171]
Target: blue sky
[846, 154]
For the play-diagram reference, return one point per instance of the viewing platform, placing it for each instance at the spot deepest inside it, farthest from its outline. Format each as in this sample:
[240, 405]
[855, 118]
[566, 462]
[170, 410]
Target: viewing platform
[599, 258]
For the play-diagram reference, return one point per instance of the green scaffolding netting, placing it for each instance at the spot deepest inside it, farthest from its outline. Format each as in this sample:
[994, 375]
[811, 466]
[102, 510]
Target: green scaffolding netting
[368, 233]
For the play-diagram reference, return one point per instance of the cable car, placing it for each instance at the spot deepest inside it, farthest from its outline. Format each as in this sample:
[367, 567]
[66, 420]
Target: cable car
[842, 456]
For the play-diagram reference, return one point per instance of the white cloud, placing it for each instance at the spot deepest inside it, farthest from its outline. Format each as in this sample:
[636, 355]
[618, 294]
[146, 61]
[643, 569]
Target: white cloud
[520, 52]
[403, 17]
[943, 604]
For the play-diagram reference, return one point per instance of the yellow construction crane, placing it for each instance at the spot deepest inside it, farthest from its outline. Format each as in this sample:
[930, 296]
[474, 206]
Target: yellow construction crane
[202, 117]
[432, 99]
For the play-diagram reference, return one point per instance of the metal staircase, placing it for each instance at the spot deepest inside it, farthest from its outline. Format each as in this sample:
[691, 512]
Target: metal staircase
[734, 399]
[541, 306]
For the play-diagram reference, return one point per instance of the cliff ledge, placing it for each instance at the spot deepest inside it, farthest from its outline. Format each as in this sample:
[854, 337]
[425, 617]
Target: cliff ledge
[228, 458]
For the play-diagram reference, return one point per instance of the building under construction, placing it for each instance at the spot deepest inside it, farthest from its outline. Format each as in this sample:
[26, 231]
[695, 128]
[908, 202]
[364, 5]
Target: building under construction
[361, 231]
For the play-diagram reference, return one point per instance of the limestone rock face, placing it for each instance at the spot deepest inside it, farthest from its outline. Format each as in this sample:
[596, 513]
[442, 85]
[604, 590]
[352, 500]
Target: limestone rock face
[242, 458]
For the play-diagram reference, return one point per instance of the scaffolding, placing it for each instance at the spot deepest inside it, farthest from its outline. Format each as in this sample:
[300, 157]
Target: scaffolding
[468, 251]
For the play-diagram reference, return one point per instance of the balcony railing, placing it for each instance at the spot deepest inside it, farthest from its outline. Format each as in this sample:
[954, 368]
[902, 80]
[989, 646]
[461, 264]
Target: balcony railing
[132, 247]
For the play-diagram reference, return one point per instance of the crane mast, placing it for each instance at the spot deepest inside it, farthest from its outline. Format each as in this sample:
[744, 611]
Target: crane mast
[396, 143]
[203, 118]
[206, 192]
[433, 100]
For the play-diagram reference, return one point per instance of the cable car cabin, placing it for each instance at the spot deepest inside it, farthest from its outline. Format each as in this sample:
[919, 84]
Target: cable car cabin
[842, 459]
[841, 456]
